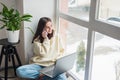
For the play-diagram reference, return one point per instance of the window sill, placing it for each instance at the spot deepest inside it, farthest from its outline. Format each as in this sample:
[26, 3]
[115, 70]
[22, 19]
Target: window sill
[69, 73]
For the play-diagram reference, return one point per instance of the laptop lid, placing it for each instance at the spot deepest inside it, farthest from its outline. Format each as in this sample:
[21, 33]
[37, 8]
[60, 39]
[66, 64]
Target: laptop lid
[64, 64]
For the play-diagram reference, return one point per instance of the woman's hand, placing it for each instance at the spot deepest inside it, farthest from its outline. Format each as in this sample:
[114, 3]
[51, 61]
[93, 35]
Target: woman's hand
[44, 34]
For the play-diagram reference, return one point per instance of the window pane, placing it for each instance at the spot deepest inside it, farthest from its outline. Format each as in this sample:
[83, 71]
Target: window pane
[76, 8]
[106, 58]
[109, 10]
[75, 38]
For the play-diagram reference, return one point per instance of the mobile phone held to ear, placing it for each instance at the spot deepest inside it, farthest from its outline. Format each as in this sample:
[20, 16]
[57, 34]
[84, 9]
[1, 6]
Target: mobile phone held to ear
[46, 34]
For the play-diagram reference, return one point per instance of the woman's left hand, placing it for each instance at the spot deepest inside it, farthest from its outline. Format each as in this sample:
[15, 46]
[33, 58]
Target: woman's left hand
[44, 34]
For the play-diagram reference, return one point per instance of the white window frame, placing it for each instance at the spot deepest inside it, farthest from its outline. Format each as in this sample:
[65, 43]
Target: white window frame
[93, 25]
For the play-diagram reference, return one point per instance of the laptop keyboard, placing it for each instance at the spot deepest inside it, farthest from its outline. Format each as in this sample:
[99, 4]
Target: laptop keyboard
[50, 72]
[49, 68]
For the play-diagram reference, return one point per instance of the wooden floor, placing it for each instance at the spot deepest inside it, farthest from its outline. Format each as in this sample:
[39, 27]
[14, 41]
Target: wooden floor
[11, 74]
[24, 79]
[69, 78]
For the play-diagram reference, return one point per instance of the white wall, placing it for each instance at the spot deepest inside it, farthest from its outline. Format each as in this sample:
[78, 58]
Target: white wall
[20, 47]
[38, 9]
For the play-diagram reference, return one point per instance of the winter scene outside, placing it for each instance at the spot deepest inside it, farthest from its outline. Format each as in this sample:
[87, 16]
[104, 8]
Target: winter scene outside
[76, 41]
[106, 56]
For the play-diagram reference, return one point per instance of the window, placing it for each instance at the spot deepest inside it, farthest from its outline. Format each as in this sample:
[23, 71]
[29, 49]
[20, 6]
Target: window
[76, 41]
[109, 8]
[106, 58]
[76, 8]
[91, 27]
[109, 11]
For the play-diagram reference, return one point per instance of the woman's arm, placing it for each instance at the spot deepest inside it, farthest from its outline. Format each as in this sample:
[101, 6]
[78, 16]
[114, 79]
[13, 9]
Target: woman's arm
[61, 47]
[41, 49]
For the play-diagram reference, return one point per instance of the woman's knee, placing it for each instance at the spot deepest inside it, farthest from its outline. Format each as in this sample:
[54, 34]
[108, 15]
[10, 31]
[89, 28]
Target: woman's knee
[28, 71]
[61, 77]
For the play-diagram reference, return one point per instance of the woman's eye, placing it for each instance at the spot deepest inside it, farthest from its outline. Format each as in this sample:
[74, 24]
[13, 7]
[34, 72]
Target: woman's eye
[48, 27]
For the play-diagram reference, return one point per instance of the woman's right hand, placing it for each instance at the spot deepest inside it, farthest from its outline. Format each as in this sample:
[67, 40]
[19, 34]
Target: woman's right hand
[44, 34]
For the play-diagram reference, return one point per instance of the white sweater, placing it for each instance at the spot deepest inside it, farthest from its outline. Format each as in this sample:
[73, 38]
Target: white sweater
[46, 53]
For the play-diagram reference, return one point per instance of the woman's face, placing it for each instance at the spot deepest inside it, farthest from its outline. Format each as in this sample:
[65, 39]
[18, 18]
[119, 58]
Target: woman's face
[48, 27]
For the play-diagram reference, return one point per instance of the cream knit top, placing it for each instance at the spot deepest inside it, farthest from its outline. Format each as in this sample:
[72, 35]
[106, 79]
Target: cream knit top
[46, 53]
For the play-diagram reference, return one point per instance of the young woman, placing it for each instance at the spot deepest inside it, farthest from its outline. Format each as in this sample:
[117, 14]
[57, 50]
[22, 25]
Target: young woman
[47, 48]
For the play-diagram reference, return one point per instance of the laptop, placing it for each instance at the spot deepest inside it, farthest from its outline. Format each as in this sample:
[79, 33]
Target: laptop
[62, 65]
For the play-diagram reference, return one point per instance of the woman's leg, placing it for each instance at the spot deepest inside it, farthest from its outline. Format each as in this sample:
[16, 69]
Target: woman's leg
[59, 77]
[30, 71]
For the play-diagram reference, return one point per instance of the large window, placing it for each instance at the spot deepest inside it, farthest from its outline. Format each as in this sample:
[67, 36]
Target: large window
[76, 8]
[89, 26]
[106, 58]
[76, 41]
[108, 9]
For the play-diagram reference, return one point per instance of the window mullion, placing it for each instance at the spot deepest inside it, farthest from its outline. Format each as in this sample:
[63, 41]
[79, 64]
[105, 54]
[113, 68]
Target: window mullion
[89, 56]
[107, 29]
[75, 20]
[91, 37]
[93, 10]
[57, 15]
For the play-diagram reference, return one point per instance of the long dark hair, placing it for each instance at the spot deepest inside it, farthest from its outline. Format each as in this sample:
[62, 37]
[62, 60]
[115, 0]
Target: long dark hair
[40, 27]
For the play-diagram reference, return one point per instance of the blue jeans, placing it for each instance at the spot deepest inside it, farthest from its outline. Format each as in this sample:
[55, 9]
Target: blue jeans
[32, 71]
